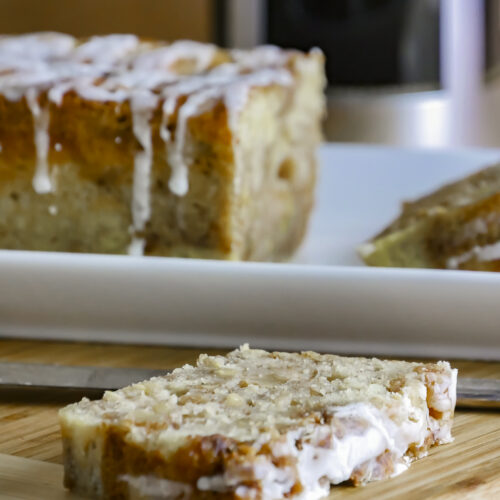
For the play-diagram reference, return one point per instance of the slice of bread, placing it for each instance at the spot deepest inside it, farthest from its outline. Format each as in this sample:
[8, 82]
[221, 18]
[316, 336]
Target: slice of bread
[117, 144]
[455, 227]
[258, 425]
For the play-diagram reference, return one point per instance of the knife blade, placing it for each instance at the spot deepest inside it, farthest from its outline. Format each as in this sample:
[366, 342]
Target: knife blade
[478, 393]
[94, 378]
[471, 392]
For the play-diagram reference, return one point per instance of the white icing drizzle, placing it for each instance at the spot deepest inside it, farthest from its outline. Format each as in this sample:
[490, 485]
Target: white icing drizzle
[265, 55]
[226, 84]
[368, 433]
[101, 93]
[366, 249]
[164, 58]
[195, 104]
[142, 106]
[166, 113]
[486, 253]
[221, 75]
[141, 487]
[63, 85]
[41, 180]
[36, 46]
[140, 79]
[136, 247]
[106, 49]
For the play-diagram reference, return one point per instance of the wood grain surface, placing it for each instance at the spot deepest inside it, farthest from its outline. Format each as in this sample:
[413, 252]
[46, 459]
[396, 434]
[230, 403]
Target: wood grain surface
[469, 468]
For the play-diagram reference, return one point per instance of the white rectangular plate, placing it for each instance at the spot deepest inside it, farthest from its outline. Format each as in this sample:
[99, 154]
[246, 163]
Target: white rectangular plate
[326, 300]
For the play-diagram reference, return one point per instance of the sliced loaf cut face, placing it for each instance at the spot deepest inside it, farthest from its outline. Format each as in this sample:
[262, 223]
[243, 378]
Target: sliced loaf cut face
[455, 227]
[258, 425]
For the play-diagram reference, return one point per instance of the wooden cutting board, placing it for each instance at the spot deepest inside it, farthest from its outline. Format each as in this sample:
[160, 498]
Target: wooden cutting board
[469, 468]
[25, 479]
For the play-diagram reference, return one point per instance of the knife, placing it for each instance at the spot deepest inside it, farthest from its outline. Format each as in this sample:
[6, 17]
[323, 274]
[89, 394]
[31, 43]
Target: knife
[471, 392]
[64, 377]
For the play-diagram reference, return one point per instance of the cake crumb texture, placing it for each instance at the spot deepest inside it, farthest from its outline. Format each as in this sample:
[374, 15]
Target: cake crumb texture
[256, 424]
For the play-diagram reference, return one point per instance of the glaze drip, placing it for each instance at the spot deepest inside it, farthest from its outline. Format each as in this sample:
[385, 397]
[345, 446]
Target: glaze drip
[42, 183]
[142, 106]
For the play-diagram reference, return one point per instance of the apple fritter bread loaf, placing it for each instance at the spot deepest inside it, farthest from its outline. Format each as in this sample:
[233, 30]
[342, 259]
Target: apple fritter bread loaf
[115, 144]
[258, 425]
[455, 227]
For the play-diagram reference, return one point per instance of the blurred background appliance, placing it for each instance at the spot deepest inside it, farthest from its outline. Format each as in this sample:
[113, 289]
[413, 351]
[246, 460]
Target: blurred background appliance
[411, 72]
